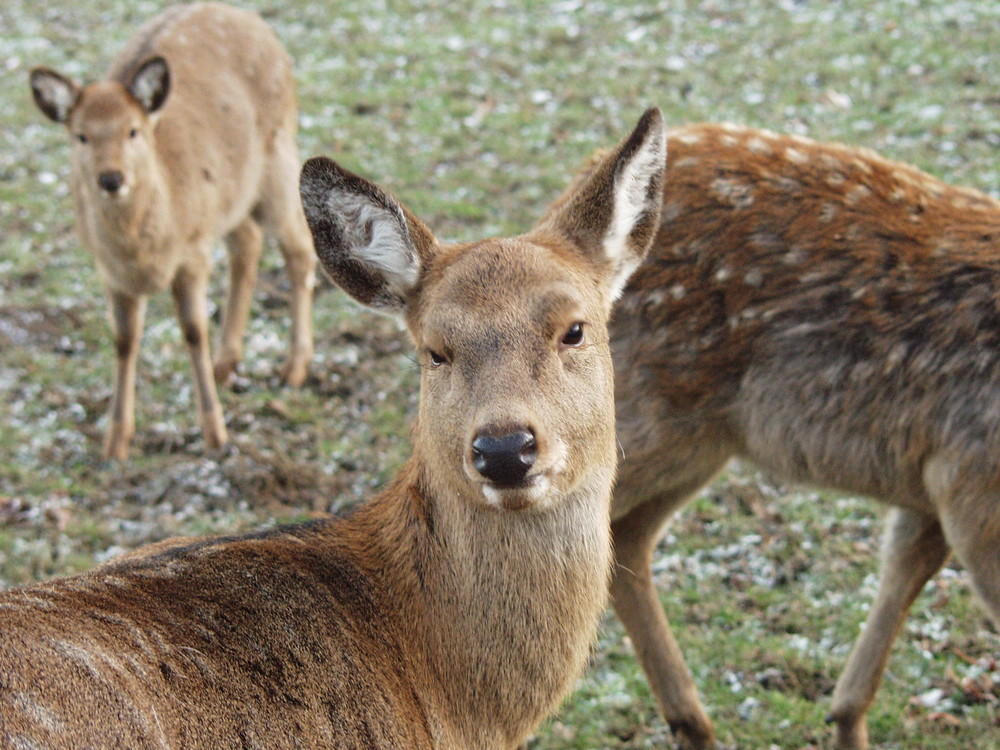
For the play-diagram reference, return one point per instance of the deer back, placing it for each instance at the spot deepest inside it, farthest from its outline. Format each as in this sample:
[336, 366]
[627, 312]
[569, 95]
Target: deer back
[829, 313]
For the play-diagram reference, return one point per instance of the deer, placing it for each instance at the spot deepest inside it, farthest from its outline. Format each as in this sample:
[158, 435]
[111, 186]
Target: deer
[452, 610]
[832, 317]
[189, 138]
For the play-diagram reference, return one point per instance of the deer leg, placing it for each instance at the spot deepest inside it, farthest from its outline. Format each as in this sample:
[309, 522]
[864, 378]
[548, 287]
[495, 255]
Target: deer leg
[127, 314]
[189, 291]
[974, 533]
[244, 247]
[635, 600]
[284, 213]
[913, 549]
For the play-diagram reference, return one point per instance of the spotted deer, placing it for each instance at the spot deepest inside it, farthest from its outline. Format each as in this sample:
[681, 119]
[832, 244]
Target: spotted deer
[190, 137]
[453, 610]
[833, 317]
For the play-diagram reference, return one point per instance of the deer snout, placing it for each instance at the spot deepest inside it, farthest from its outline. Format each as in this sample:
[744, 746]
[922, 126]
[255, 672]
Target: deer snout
[111, 180]
[505, 459]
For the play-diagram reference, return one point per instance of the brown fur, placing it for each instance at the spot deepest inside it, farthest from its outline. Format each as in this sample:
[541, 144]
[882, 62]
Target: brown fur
[448, 612]
[833, 317]
[215, 158]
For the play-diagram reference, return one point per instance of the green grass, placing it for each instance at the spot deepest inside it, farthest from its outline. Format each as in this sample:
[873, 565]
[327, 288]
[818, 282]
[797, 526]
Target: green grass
[475, 114]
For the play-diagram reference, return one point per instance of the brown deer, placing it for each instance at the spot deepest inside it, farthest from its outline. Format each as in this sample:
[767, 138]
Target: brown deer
[190, 137]
[834, 317]
[456, 608]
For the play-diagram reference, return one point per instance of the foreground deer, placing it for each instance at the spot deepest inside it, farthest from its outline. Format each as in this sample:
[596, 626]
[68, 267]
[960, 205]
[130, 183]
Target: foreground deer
[190, 137]
[833, 317]
[452, 611]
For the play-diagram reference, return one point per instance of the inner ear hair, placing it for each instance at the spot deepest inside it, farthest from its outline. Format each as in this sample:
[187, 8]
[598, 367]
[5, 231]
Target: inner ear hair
[54, 94]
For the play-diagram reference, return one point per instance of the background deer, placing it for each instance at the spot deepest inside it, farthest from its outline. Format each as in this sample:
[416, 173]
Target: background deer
[833, 317]
[453, 610]
[190, 137]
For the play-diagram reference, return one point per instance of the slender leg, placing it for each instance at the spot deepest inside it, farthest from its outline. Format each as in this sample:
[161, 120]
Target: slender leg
[127, 314]
[189, 290]
[914, 549]
[638, 607]
[286, 219]
[244, 246]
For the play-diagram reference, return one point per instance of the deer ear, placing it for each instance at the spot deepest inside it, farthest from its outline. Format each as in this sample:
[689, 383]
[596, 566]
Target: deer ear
[54, 94]
[367, 241]
[612, 209]
[151, 84]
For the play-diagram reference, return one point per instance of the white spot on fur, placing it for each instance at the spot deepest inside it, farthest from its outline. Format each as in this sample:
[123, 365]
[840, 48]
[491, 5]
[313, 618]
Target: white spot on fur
[835, 179]
[863, 166]
[758, 146]
[896, 355]
[795, 156]
[686, 162]
[689, 138]
[857, 194]
[789, 185]
[754, 277]
[729, 141]
[794, 256]
[827, 212]
[722, 274]
[830, 161]
[677, 291]
[735, 192]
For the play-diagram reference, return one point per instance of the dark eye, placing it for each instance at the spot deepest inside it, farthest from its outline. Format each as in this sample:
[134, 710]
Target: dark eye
[81, 137]
[574, 336]
[437, 359]
[133, 133]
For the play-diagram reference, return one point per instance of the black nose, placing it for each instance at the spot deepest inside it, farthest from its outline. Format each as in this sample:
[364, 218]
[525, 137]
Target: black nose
[504, 459]
[111, 180]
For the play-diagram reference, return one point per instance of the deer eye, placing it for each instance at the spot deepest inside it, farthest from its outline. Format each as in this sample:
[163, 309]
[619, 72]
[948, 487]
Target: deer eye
[133, 133]
[573, 337]
[437, 359]
[81, 137]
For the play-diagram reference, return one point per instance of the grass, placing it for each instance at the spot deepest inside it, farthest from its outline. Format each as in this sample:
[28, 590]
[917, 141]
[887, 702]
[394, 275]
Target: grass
[475, 113]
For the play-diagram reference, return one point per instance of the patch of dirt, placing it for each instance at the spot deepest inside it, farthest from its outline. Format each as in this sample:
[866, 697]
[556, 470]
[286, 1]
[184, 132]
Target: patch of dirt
[40, 327]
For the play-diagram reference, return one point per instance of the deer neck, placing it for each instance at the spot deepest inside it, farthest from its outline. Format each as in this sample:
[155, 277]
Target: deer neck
[505, 605]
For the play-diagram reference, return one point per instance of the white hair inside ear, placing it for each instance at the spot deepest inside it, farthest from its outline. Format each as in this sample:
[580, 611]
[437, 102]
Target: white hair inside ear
[377, 237]
[632, 198]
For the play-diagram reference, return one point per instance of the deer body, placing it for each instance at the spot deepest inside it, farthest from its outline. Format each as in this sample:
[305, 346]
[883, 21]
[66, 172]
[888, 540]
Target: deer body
[833, 317]
[455, 609]
[190, 138]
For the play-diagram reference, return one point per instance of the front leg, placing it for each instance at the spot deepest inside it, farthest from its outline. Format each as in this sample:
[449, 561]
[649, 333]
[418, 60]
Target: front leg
[638, 607]
[189, 291]
[127, 314]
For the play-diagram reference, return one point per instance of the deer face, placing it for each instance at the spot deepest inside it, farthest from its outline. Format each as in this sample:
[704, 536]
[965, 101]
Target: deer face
[516, 406]
[111, 124]
[516, 372]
